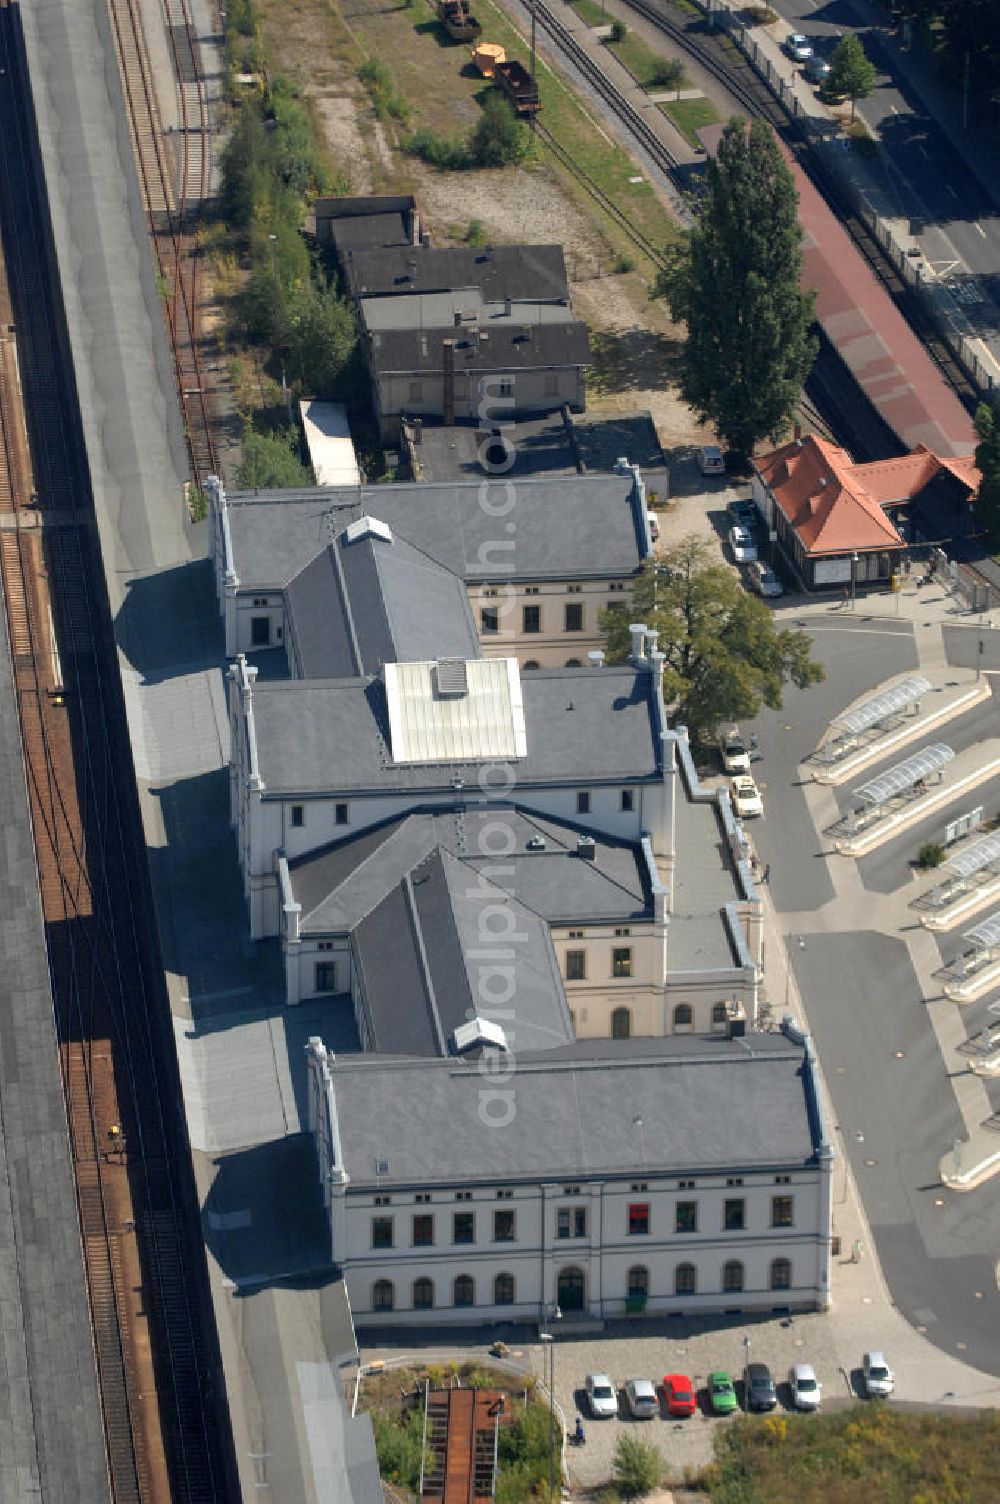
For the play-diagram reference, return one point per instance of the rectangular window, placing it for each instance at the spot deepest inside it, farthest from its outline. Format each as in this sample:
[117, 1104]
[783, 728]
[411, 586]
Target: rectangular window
[260, 631]
[782, 1180]
[616, 585]
[571, 1190]
[576, 934]
[583, 803]
[465, 1227]
[735, 1214]
[620, 933]
[621, 961]
[489, 620]
[735, 1180]
[686, 1216]
[782, 1211]
[463, 1195]
[503, 1227]
[326, 976]
[505, 1195]
[638, 1219]
[532, 618]
[422, 1198]
[571, 1222]
[505, 386]
[685, 1185]
[576, 966]
[381, 1232]
[531, 589]
[639, 1185]
[340, 814]
[628, 799]
[298, 815]
[416, 391]
[574, 616]
[423, 1230]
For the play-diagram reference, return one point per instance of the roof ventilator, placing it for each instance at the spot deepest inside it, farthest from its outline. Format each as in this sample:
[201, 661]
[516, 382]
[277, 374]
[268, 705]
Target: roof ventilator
[452, 678]
[586, 848]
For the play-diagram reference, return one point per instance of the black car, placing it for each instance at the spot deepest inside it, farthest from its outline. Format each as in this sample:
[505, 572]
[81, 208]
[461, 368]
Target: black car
[758, 1387]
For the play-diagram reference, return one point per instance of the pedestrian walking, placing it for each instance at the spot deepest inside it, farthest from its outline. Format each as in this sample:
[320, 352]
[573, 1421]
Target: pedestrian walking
[766, 875]
[753, 744]
[846, 597]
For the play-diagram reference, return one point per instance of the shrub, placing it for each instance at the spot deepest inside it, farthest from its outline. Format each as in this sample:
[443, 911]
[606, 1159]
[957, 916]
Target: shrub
[624, 264]
[498, 138]
[398, 1445]
[389, 104]
[930, 855]
[447, 152]
[759, 15]
[476, 233]
[638, 1467]
[619, 31]
[669, 74]
[271, 459]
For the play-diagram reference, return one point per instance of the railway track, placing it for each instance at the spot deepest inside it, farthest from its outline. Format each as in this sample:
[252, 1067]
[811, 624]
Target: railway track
[153, 1336]
[597, 193]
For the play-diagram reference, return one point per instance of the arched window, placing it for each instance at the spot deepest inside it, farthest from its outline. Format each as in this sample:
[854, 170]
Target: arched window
[503, 1290]
[720, 1014]
[571, 1289]
[683, 1016]
[383, 1295]
[531, 663]
[732, 1276]
[685, 1279]
[465, 1290]
[781, 1274]
[573, 663]
[621, 1024]
[638, 1281]
[423, 1294]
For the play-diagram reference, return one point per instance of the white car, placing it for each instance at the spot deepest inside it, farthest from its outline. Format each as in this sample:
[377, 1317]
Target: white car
[798, 47]
[711, 460]
[742, 544]
[601, 1396]
[642, 1399]
[735, 757]
[746, 797]
[806, 1389]
[879, 1381]
[765, 581]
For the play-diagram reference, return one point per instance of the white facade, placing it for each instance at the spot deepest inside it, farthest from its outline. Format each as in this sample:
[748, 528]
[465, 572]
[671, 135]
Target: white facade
[733, 1239]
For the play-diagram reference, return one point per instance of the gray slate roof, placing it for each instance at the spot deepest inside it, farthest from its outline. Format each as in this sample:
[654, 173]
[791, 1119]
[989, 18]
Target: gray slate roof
[706, 1105]
[502, 271]
[331, 736]
[565, 527]
[360, 604]
[371, 220]
[703, 883]
[338, 885]
[511, 347]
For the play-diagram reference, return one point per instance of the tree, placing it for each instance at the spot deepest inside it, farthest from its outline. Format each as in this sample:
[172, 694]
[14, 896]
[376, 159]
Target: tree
[852, 75]
[988, 464]
[724, 656]
[270, 460]
[637, 1466]
[498, 138]
[734, 281]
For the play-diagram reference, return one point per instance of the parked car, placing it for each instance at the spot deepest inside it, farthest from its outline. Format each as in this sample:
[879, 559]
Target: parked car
[735, 757]
[722, 1393]
[879, 1380]
[711, 460]
[601, 1396]
[806, 1389]
[742, 544]
[744, 512]
[764, 579]
[798, 47]
[817, 69]
[678, 1391]
[641, 1397]
[745, 796]
[758, 1387]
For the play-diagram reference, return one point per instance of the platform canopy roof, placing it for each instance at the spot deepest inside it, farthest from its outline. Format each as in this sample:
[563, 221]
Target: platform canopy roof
[905, 774]
[880, 707]
[985, 936]
[975, 858]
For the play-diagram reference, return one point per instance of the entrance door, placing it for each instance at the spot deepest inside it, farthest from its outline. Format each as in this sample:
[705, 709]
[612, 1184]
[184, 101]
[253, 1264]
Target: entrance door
[260, 631]
[571, 1290]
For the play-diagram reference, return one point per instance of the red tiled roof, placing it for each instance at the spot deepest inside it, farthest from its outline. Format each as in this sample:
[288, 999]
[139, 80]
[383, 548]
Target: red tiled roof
[836, 506]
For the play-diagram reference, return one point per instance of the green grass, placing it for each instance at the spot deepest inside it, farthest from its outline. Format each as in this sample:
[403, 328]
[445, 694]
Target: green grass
[866, 1452]
[645, 65]
[592, 12]
[691, 115]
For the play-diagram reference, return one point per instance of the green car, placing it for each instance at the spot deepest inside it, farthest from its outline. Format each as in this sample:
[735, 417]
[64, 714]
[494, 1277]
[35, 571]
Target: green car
[721, 1393]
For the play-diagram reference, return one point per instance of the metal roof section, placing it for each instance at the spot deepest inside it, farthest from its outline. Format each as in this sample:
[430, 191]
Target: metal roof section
[905, 774]
[985, 936]
[880, 707]
[368, 527]
[478, 1031]
[979, 855]
[328, 439]
[432, 719]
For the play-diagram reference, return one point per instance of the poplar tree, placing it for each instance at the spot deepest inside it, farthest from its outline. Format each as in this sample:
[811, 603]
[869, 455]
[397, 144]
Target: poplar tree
[735, 282]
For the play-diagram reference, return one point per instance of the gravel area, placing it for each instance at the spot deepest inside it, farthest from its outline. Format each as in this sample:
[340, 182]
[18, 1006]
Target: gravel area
[526, 207]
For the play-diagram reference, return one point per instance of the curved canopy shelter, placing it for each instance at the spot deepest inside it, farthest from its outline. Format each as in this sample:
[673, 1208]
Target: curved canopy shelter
[985, 937]
[905, 775]
[976, 858]
[882, 707]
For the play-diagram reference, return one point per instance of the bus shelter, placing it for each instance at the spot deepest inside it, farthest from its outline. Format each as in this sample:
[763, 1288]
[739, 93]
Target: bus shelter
[882, 712]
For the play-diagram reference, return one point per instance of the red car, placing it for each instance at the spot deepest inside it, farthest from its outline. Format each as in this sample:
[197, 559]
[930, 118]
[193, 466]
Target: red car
[678, 1391]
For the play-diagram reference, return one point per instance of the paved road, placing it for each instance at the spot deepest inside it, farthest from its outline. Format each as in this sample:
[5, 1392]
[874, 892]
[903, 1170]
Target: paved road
[893, 1102]
[926, 177]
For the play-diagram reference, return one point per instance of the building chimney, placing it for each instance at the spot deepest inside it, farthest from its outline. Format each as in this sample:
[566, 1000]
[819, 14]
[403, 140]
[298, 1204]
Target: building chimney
[418, 430]
[448, 392]
[652, 638]
[585, 848]
[508, 307]
[413, 224]
[458, 319]
[638, 653]
[656, 662]
[596, 657]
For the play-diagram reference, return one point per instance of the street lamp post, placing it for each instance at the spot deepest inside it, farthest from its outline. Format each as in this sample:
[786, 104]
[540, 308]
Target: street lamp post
[549, 1338]
[854, 579]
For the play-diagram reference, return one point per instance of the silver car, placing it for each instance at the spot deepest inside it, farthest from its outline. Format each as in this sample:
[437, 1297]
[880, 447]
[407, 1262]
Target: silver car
[601, 1396]
[879, 1381]
[640, 1395]
[806, 1389]
[798, 47]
